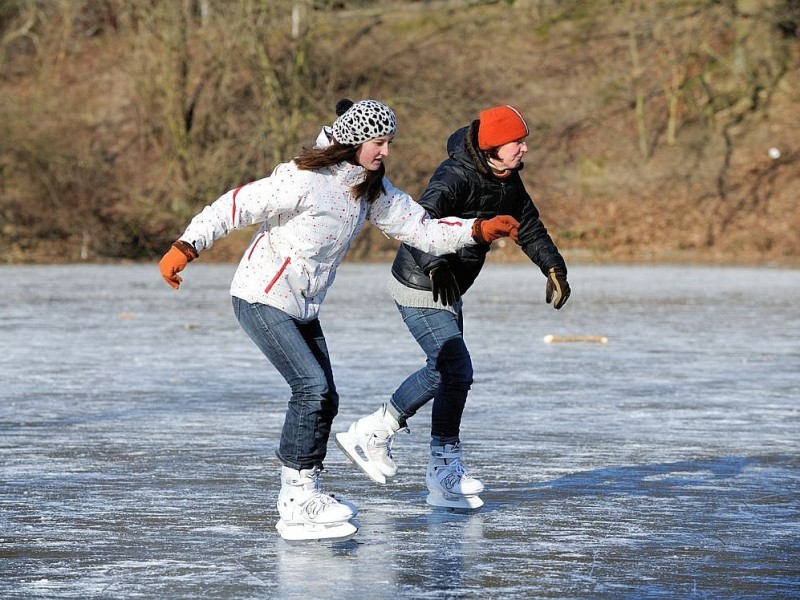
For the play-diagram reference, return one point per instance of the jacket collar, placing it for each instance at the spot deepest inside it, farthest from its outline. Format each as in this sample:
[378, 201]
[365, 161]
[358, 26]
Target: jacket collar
[349, 174]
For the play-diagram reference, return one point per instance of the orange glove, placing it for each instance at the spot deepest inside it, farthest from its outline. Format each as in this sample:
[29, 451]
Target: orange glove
[175, 260]
[485, 231]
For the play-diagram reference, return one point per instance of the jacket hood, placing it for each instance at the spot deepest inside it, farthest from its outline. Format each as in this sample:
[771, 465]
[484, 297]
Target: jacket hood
[324, 138]
[462, 147]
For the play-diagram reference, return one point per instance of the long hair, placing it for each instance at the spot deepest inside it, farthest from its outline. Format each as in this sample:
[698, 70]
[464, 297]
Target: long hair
[311, 159]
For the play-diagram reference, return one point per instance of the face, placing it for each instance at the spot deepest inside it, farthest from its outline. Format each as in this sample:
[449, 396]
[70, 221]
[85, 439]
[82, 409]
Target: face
[509, 156]
[371, 153]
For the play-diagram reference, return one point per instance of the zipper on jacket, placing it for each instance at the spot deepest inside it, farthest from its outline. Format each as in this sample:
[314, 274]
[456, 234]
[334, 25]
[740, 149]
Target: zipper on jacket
[255, 243]
[503, 199]
[234, 208]
[277, 275]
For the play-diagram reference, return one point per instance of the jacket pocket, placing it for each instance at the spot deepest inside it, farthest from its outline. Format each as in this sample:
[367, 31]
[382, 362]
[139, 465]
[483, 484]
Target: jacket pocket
[277, 275]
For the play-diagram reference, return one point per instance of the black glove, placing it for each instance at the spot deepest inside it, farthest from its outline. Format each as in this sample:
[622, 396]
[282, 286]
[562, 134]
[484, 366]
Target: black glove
[444, 285]
[557, 290]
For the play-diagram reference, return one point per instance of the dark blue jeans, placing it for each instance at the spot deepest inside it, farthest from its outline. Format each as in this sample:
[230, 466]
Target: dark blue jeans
[299, 353]
[447, 375]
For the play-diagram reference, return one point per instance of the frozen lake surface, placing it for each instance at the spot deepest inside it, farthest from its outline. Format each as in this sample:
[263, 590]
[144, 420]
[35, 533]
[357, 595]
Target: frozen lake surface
[138, 424]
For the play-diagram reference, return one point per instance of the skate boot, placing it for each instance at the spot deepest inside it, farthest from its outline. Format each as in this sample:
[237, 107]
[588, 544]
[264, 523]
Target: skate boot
[307, 513]
[448, 484]
[368, 444]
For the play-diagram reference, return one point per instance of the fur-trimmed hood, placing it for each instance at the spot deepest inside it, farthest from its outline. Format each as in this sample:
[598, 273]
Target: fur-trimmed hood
[462, 146]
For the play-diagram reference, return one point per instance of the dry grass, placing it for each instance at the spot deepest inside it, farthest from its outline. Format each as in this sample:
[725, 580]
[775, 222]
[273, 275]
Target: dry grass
[97, 161]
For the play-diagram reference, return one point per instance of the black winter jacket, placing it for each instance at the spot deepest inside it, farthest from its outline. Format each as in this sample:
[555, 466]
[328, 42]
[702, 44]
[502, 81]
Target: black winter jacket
[464, 186]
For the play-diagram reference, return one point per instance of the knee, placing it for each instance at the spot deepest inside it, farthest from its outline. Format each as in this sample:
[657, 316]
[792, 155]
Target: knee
[458, 375]
[315, 389]
[455, 364]
[431, 375]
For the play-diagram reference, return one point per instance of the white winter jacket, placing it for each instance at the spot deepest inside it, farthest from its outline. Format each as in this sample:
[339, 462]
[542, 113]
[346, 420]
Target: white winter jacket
[309, 219]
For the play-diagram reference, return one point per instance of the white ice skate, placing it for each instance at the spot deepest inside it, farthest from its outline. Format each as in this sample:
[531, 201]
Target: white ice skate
[368, 444]
[307, 513]
[449, 486]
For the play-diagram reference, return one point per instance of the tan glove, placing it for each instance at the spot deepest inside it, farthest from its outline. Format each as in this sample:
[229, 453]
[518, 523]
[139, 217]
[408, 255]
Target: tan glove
[557, 290]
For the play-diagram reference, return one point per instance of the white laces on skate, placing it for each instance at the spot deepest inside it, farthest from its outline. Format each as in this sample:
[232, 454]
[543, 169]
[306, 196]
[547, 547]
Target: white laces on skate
[385, 439]
[316, 504]
[312, 504]
[451, 474]
[308, 513]
[448, 482]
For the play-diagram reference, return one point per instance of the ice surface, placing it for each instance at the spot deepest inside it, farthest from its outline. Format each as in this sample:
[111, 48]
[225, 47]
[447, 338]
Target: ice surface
[138, 424]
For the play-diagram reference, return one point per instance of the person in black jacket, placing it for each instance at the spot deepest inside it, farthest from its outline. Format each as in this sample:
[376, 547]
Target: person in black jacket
[480, 178]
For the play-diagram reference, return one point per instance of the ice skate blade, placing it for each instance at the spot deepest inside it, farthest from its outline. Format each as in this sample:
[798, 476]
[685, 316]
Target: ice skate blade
[348, 447]
[307, 532]
[454, 503]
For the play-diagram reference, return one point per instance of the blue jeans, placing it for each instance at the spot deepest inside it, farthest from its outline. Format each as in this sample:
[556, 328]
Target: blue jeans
[446, 377]
[299, 353]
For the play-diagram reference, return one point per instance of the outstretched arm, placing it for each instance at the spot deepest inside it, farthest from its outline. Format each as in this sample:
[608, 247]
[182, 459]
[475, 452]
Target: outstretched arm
[396, 214]
[235, 209]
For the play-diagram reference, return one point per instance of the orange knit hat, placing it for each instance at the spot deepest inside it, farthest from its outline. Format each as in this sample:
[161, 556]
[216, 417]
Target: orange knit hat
[500, 125]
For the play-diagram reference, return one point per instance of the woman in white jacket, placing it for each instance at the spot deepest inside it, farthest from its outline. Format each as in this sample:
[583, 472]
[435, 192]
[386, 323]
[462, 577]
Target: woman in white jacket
[310, 210]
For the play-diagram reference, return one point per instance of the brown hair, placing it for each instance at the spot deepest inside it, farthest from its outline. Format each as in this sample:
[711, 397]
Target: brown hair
[491, 152]
[311, 159]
